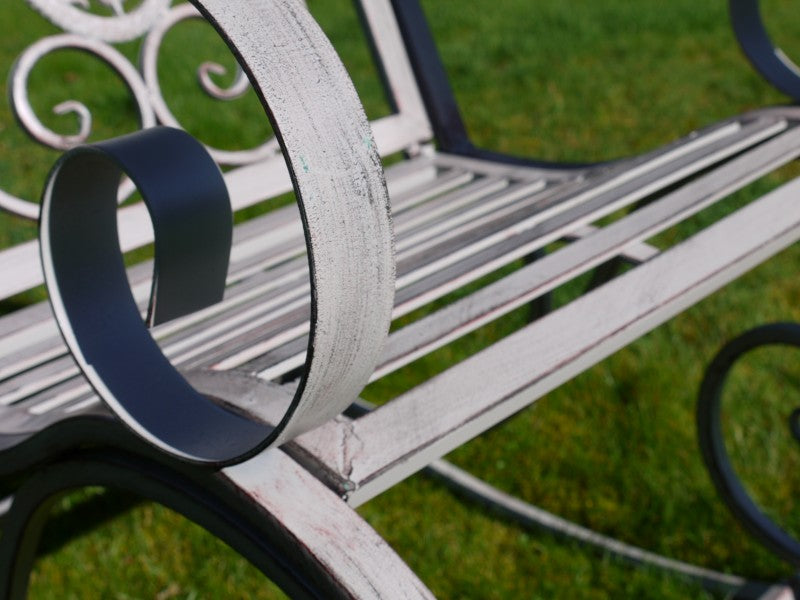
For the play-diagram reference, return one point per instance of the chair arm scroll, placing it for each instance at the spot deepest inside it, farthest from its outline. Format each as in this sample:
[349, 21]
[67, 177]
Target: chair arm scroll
[340, 188]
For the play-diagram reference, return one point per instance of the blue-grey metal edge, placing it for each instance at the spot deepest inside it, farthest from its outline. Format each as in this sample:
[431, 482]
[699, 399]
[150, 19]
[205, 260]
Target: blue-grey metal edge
[770, 61]
[712, 441]
[340, 188]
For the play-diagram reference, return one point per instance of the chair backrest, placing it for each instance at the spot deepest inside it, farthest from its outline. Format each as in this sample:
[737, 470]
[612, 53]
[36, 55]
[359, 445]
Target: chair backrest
[403, 127]
[409, 125]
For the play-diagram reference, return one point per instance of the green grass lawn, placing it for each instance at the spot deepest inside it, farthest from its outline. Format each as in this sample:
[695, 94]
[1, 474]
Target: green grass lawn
[616, 448]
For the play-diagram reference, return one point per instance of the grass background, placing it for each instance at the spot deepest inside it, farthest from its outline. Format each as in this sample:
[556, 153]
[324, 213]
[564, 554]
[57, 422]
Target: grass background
[615, 449]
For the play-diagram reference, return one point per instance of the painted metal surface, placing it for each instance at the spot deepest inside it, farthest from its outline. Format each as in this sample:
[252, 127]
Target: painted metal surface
[121, 26]
[773, 64]
[98, 317]
[712, 441]
[393, 442]
[341, 192]
[296, 531]
[403, 130]
[458, 218]
[148, 57]
[344, 207]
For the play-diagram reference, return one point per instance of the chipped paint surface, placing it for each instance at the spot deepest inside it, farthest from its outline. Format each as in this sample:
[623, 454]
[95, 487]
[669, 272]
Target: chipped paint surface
[340, 187]
[341, 544]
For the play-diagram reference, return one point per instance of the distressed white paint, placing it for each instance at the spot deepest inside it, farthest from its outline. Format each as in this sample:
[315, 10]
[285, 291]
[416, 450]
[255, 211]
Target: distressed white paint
[429, 421]
[340, 542]
[340, 188]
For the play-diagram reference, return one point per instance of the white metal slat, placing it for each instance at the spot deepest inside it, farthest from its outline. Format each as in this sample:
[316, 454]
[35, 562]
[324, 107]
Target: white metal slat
[300, 330]
[532, 281]
[283, 227]
[404, 435]
[689, 161]
[773, 153]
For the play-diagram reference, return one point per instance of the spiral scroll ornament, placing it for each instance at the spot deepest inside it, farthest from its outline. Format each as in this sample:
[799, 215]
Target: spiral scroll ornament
[713, 443]
[73, 16]
[337, 176]
[93, 34]
[26, 116]
[149, 65]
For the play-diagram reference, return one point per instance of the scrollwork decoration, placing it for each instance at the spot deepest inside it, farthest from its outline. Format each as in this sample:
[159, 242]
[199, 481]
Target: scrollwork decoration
[93, 34]
[71, 16]
[712, 442]
[149, 65]
[27, 61]
[236, 90]
[21, 106]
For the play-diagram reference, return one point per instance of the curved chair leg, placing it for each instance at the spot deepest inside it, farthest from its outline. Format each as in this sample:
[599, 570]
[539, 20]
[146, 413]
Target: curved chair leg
[279, 517]
[533, 517]
[712, 443]
[22, 529]
[773, 64]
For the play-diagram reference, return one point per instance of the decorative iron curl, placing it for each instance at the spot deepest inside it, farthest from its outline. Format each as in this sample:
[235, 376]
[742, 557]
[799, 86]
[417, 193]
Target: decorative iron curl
[121, 27]
[341, 194]
[237, 89]
[149, 65]
[773, 64]
[25, 114]
[712, 443]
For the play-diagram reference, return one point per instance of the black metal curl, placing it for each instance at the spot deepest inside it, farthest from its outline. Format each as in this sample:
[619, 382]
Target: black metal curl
[770, 61]
[187, 199]
[712, 445]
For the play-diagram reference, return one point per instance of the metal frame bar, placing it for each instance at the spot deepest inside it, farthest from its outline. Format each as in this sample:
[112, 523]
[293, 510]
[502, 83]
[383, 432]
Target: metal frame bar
[440, 102]
[270, 510]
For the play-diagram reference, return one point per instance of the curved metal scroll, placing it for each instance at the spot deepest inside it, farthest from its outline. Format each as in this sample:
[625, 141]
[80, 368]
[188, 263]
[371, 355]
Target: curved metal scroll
[21, 71]
[771, 62]
[85, 274]
[26, 116]
[341, 192]
[300, 535]
[712, 443]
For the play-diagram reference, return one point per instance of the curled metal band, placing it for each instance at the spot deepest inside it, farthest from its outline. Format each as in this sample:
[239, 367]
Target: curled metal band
[341, 192]
[26, 116]
[85, 275]
[771, 62]
[712, 443]
[338, 179]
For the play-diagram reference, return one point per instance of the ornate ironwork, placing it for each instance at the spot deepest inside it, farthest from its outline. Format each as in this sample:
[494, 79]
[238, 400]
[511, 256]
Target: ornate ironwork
[94, 34]
[149, 66]
[341, 193]
[20, 102]
[119, 27]
[712, 443]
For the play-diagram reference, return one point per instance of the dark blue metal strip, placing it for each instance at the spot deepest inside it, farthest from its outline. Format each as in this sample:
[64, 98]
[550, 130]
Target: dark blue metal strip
[773, 64]
[188, 202]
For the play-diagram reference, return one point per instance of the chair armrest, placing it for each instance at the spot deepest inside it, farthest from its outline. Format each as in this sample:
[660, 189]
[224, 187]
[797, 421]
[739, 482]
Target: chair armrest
[340, 188]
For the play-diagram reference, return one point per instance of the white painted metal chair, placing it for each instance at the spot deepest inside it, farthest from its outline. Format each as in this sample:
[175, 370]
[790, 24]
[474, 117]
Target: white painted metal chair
[249, 421]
